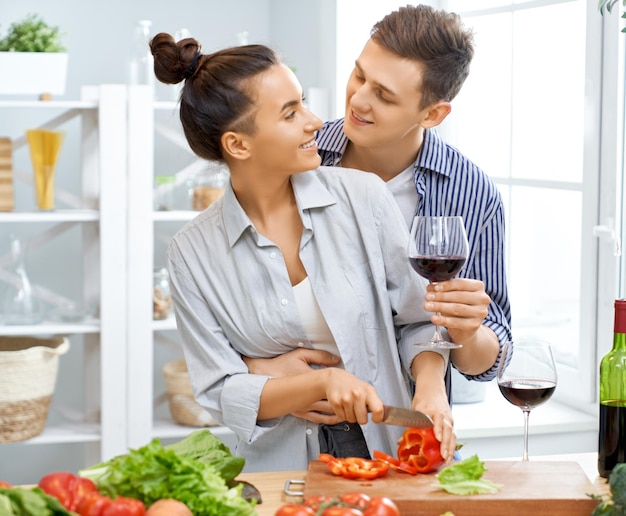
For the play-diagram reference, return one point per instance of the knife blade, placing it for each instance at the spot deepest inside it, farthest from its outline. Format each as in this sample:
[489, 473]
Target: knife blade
[406, 417]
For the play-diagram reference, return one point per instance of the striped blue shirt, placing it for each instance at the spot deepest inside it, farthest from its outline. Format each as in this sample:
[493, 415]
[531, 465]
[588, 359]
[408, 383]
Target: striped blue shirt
[447, 183]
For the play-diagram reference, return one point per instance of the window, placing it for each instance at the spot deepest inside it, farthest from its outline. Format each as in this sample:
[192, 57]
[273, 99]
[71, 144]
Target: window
[531, 115]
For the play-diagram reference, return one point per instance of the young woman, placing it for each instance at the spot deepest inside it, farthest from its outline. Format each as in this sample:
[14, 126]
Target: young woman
[292, 256]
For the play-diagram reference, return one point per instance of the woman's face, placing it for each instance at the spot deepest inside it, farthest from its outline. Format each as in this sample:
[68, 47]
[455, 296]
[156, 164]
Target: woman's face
[284, 140]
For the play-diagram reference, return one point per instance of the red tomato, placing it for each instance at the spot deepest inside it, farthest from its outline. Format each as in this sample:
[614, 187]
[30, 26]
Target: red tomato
[419, 448]
[5, 484]
[58, 485]
[292, 509]
[357, 500]
[341, 511]
[79, 488]
[315, 502]
[382, 506]
[93, 504]
[121, 506]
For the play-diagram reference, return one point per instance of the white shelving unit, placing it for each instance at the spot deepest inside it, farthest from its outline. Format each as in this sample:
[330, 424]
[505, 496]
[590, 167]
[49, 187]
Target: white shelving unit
[118, 226]
[100, 212]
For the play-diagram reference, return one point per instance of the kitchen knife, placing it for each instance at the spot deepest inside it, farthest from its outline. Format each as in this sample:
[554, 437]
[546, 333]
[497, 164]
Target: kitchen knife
[406, 417]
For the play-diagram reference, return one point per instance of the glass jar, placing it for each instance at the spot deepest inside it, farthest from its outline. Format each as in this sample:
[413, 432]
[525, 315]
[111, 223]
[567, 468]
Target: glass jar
[161, 295]
[208, 185]
[164, 193]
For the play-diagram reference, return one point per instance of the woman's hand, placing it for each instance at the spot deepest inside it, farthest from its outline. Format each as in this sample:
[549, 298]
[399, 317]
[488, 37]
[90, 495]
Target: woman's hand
[428, 369]
[296, 362]
[293, 362]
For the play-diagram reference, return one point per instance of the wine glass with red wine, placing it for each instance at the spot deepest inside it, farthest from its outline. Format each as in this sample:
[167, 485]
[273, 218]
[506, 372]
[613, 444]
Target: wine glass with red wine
[527, 376]
[437, 251]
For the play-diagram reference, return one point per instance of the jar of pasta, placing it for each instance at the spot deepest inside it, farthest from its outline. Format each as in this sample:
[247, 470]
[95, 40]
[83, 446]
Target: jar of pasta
[208, 185]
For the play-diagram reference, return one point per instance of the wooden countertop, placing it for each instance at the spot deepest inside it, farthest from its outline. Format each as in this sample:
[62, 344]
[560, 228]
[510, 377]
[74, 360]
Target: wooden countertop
[272, 484]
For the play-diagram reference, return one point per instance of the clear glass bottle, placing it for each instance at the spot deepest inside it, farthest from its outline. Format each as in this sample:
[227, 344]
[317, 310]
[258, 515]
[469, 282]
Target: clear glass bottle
[161, 294]
[141, 63]
[612, 433]
[208, 185]
[164, 193]
[18, 303]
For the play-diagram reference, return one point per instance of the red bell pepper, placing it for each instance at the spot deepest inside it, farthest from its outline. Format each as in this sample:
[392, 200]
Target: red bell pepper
[356, 467]
[68, 488]
[419, 448]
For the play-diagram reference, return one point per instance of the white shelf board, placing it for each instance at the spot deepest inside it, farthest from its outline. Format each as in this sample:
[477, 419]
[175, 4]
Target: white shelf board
[51, 328]
[49, 104]
[168, 429]
[51, 216]
[66, 433]
[164, 324]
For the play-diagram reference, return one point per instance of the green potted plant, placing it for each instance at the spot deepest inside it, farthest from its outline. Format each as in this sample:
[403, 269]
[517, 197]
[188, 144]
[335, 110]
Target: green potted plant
[33, 58]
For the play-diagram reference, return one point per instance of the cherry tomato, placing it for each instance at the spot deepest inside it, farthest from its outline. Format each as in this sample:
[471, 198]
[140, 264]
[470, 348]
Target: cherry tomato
[382, 506]
[316, 502]
[357, 500]
[341, 511]
[79, 488]
[418, 447]
[295, 510]
[93, 504]
[121, 506]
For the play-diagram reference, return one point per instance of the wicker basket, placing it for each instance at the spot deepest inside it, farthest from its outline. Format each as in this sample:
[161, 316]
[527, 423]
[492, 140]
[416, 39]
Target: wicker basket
[28, 372]
[184, 408]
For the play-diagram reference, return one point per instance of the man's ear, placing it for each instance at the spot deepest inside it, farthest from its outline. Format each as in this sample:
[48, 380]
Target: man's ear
[236, 145]
[436, 114]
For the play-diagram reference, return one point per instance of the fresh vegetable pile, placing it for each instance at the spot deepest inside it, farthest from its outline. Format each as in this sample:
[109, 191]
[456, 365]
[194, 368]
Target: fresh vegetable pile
[350, 504]
[195, 471]
[192, 476]
[615, 503]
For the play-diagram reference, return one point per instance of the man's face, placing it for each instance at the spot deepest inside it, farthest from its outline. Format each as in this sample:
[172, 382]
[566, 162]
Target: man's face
[383, 98]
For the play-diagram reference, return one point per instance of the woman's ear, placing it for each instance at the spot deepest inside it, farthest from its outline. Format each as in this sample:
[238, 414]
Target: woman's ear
[436, 114]
[236, 145]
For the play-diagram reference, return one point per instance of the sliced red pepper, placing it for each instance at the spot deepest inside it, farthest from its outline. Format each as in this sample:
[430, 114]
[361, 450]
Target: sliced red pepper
[356, 467]
[419, 448]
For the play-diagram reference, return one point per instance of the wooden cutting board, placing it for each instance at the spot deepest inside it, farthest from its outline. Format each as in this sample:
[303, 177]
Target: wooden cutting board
[537, 488]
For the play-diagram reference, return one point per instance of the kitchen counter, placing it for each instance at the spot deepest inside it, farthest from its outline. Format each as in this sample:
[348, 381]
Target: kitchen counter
[272, 484]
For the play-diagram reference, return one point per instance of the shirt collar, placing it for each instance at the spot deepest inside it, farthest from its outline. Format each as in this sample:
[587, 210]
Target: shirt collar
[432, 154]
[310, 193]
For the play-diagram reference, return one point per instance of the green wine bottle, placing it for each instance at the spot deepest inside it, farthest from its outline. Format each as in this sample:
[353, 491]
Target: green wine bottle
[612, 435]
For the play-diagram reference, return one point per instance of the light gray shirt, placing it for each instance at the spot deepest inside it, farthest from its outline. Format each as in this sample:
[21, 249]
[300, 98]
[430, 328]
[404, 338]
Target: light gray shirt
[232, 296]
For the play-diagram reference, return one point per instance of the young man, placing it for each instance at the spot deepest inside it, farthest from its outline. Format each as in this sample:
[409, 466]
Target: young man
[411, 68]
[401, 87]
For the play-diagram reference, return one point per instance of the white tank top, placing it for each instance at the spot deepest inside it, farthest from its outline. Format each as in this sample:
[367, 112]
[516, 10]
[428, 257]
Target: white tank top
[313, 321]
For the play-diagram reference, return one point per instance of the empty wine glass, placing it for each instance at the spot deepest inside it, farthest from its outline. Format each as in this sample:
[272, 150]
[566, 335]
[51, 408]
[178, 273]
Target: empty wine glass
[526, 376]
[437, 251]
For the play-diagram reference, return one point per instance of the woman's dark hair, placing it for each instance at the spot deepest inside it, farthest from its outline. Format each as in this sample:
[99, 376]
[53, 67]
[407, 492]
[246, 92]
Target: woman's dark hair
[218, 95]
[437, 39]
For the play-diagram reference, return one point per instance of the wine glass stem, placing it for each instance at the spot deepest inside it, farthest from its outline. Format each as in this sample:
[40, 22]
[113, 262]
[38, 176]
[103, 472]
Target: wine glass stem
[526, 414]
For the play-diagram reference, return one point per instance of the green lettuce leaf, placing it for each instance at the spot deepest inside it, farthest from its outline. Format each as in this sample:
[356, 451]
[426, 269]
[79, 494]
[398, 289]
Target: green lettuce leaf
[465, 478]
[153, 472]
